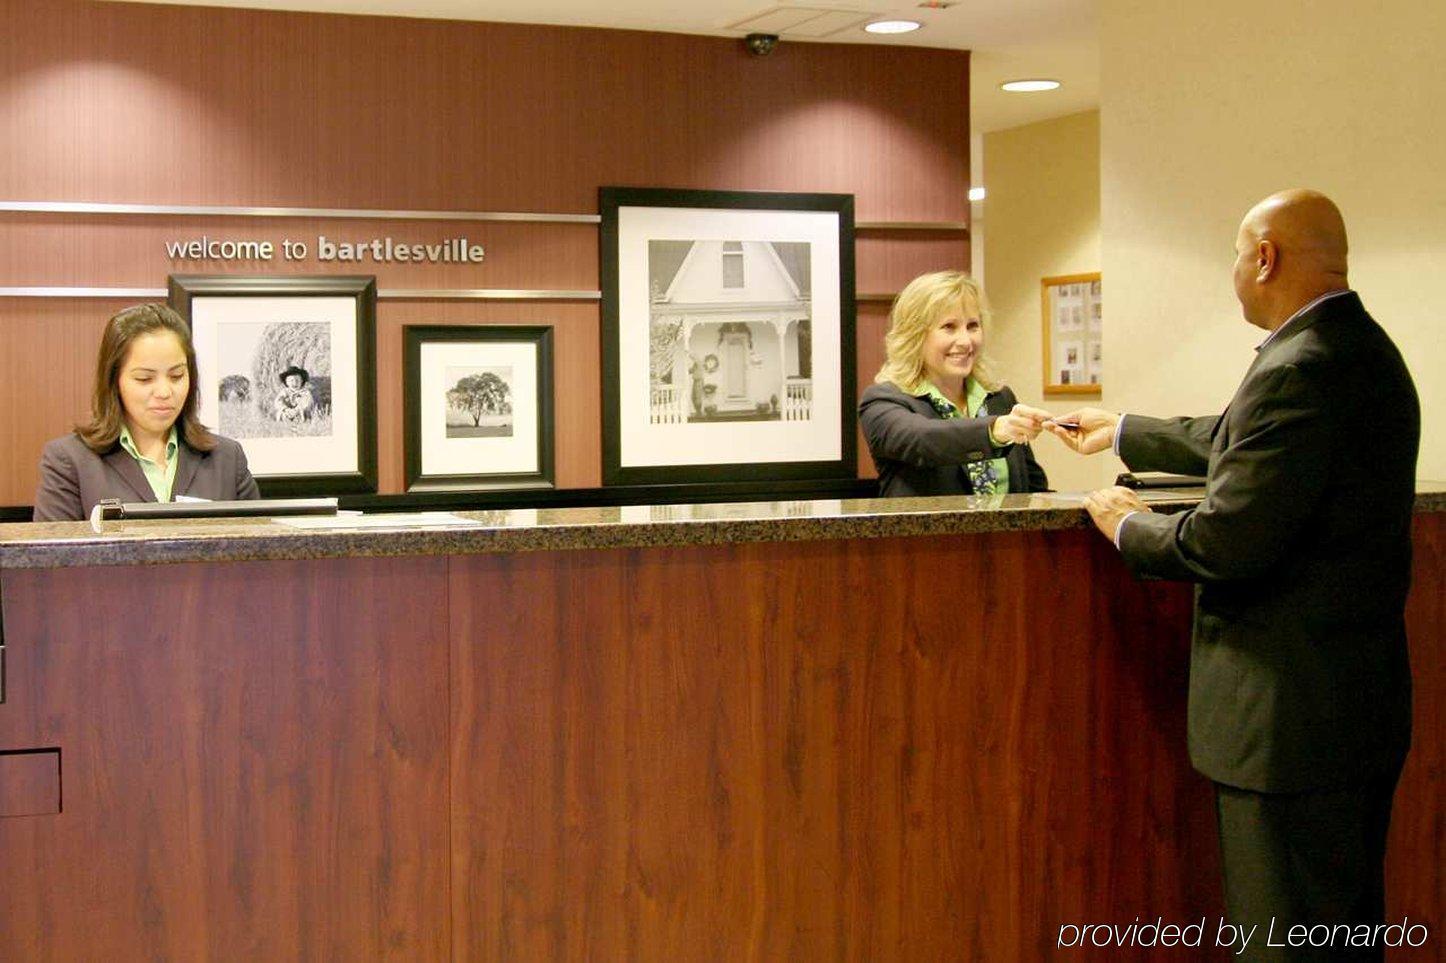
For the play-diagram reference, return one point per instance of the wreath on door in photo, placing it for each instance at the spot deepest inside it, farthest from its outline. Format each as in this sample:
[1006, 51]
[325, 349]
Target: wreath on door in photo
[735, 327]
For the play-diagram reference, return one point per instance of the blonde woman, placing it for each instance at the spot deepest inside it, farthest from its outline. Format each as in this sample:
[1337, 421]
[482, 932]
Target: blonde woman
[936, 421]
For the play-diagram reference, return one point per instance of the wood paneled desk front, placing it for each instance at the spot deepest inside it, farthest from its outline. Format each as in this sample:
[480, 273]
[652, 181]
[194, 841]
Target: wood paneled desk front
[908, 730]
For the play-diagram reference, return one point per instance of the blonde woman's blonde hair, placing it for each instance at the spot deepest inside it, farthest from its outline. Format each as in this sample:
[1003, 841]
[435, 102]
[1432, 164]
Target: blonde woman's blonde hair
[917, 308]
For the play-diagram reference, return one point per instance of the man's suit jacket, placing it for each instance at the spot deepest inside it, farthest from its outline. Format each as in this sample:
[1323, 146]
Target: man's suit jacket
[919, 453]
[1302, 547]
[73, 478]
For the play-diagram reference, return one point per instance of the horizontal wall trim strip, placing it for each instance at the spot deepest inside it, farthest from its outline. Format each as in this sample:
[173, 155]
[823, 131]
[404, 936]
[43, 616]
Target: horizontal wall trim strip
[208, 210]
[213, 210]
[385, 294]
[82, 292]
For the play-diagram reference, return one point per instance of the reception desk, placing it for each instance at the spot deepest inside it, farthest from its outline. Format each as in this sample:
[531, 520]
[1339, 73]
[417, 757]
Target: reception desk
[876, 730]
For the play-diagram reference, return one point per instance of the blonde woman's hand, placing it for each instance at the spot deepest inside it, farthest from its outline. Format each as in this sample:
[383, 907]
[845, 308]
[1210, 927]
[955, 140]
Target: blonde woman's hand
[1020, 426]
[1093, 429]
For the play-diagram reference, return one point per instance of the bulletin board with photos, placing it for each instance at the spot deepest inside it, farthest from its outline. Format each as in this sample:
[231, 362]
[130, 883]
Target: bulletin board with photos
[1073, 318]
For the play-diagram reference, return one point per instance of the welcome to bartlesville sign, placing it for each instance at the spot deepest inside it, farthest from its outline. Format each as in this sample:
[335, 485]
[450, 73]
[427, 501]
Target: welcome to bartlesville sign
[380, 250]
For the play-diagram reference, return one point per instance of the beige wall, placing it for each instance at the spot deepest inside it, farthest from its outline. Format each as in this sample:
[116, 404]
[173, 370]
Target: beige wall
[1043, 216]
[1208, 107]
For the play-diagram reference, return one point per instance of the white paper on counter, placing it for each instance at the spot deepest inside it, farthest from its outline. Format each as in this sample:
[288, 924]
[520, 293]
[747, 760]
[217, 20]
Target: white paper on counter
[381, 520]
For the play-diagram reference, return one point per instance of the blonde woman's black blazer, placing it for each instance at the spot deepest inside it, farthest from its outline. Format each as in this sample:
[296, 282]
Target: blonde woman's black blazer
[917, 452]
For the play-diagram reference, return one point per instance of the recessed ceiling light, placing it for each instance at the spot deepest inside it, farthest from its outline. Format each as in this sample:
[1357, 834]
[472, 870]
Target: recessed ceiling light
[892, 26]
[1029, 86]
[976, 193]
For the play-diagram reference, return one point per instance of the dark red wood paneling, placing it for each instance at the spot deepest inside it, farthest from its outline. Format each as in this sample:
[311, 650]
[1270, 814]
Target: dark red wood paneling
[934, 748]
[254, 757]
[133, 103]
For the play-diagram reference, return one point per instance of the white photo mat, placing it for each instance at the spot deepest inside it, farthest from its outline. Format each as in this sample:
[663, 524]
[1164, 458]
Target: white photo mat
[516, 454]
[644, 443]
[324, 455]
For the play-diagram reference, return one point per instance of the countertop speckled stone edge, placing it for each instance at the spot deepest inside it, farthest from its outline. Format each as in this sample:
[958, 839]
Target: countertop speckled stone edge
[271, 544]
[269, 540]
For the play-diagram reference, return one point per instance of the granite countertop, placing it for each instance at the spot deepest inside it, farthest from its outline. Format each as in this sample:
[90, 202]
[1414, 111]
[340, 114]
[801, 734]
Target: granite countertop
[60, 544]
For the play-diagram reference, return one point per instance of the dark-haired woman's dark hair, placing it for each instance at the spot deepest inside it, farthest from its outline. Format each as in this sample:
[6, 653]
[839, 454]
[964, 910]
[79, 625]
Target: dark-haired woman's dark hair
[107, 414]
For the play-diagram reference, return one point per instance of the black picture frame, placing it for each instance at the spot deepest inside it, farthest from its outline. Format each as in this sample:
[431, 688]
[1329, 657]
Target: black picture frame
[622, 415]
[415, 441]
[353, 469]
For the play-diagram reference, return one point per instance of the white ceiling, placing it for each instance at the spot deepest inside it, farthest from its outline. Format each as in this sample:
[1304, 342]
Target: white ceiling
[1009, 38]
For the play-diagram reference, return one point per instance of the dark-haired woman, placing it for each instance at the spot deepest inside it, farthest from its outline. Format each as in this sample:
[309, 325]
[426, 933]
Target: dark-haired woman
[143, 441]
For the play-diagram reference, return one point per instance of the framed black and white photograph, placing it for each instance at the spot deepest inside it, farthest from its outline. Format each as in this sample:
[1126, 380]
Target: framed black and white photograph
[478, 407]
[727, 336]
[287, 367]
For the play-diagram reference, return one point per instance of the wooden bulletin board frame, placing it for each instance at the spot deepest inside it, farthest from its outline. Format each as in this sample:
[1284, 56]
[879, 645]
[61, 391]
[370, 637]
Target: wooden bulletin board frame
[1070, 309]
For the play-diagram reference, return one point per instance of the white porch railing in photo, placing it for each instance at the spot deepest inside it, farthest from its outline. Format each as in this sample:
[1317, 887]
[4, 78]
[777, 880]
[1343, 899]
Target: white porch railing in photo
[667, 405]
[798, 399]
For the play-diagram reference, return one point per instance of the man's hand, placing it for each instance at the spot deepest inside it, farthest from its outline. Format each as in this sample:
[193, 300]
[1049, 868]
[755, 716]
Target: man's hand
[1109, 506]
[1021, 426]
[1096, 430]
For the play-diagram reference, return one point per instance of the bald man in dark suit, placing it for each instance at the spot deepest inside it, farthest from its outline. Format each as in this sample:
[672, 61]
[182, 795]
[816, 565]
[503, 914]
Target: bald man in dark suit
[1300, 689]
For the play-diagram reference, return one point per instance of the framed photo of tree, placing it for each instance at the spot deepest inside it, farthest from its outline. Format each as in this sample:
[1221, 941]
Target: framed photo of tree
[727, 336]
[287, 367]
[478, 406]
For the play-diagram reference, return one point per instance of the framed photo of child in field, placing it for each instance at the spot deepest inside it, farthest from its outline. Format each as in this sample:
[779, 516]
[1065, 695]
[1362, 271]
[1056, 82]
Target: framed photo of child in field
[478, 402]
[287, 367]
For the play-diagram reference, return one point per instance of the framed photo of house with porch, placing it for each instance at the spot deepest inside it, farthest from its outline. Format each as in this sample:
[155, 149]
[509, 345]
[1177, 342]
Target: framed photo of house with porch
[727, 336]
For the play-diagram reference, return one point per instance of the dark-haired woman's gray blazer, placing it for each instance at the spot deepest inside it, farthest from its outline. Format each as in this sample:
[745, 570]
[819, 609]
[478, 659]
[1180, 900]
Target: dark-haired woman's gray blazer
[73, 478]
[917, 452]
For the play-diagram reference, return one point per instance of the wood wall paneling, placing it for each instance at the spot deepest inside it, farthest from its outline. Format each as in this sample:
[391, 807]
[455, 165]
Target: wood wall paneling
[255, 762]
[872, 324]
[47, 357]
[1416, 858]
[54, 250]
[817, 752]
[827, 750]
[155, 104]
[577, 383]
[129, 103]
[47, 363]
[29, 782]
[888, 260]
